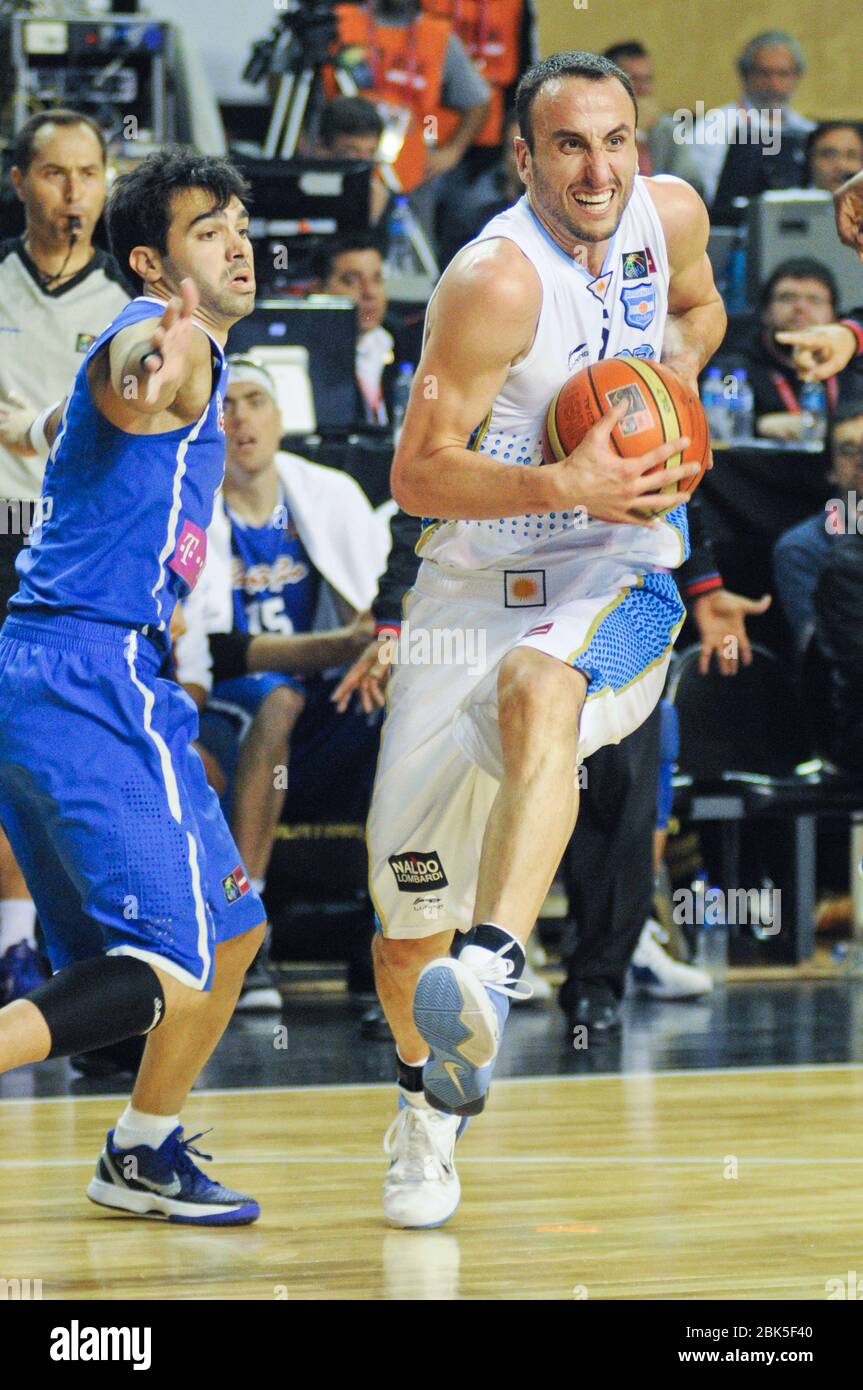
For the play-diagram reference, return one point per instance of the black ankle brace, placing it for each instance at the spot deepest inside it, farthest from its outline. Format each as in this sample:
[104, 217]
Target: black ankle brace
[492, 938]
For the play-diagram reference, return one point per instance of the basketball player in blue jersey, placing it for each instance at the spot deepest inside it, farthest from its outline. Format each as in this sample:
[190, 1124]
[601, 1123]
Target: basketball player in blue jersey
[148, 915]
[476, 793]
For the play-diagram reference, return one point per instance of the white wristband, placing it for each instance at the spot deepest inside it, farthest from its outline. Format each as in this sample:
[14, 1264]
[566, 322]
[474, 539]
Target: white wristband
[36, 433]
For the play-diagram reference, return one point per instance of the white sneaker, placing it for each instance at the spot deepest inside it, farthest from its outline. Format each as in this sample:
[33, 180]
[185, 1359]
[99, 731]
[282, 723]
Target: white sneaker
[654, 972]
[422, 1187]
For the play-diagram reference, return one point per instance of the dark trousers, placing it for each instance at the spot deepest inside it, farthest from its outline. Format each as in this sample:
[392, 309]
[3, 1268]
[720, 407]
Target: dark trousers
[608, 864]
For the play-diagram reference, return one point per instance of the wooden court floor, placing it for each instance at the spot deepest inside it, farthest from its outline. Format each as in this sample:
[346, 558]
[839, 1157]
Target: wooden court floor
[740, 1184]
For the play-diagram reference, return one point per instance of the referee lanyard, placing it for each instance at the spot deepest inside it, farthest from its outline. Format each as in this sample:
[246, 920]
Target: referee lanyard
[788, 395]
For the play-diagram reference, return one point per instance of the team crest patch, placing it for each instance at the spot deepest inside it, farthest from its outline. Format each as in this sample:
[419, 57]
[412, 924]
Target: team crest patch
[634, 265]
[418, 869]
[524, 588]
[639, 304]
[236, 884]
[638, 416]
[84, 342]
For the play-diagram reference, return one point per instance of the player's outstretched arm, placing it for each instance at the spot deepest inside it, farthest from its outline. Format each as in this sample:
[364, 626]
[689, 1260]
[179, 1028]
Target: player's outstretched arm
[154, 362]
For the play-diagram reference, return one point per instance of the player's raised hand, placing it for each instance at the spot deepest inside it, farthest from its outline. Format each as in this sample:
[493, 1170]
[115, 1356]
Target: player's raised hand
[820, 352]
[368, 676]
[848, 203]
[612, 488]
[166, 361]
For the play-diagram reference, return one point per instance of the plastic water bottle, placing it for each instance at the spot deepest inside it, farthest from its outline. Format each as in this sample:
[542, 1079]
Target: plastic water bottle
[401, 259]
[715, 405]
[741, 405]
[813, 403]
[709, 913]
[401, 395]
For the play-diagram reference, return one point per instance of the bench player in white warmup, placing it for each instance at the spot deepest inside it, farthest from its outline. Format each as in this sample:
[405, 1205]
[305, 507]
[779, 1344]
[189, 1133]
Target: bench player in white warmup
[476, 792]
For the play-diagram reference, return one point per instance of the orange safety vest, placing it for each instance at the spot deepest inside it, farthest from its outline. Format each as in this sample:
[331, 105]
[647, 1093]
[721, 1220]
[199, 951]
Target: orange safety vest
[489, 30]
[406, 64]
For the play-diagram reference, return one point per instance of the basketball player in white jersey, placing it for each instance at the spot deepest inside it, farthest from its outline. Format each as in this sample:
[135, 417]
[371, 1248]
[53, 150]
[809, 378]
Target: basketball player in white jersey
[548, 632]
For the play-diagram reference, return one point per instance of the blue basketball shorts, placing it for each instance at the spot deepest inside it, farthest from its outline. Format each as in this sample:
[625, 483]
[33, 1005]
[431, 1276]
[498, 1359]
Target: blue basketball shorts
[120, 839]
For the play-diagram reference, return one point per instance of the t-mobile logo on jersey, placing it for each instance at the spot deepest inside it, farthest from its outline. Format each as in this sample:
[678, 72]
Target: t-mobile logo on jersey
[190, 554]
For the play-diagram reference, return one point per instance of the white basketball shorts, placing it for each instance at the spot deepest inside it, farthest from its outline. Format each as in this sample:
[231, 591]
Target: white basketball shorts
[441, 759]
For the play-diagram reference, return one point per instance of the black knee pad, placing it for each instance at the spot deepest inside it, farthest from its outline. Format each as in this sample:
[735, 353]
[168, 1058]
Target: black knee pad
[93, 1003]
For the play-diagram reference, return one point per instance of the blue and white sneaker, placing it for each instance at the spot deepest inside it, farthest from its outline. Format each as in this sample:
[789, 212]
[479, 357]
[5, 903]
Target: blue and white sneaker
[22, 969]
[165, 1184]
[460, 1009]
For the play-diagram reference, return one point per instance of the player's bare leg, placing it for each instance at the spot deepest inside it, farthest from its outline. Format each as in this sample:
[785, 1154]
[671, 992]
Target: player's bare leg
[398, 965]
[178, 1050]
[259, 794]
[534, 813]
[461, 1005]
[146, 1166]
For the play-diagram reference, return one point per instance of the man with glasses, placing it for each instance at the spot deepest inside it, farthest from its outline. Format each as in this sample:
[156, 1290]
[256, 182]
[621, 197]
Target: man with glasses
[800, 555]
[770, 67]
[801, 293]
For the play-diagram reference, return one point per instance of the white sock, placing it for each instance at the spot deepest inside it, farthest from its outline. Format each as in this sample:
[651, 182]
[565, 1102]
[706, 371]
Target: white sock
[17, 922]
[134, 1127]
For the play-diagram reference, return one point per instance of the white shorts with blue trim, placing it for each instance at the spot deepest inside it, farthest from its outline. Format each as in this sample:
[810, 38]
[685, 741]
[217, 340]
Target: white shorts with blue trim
[441, 758]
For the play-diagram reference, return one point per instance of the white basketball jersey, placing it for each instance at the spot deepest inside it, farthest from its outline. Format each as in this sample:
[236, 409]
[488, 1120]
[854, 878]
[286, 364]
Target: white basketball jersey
[619, 313]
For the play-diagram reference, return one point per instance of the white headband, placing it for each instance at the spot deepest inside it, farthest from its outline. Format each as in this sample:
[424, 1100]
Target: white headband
[247, 369]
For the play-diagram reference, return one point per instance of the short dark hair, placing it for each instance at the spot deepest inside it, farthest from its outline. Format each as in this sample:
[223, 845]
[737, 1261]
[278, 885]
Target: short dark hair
[138, 212]
[824, 128]
[801, 268]
[324, 256]
[630, 48]
[349, 116]
[572, 63]
[24, 147]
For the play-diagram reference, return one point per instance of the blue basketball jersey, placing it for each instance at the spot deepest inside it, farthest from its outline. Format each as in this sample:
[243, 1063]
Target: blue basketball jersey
[125, 516]
[275, 583]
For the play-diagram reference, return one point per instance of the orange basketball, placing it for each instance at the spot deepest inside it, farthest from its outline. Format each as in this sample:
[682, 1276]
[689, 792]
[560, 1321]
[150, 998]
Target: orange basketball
[659, 408]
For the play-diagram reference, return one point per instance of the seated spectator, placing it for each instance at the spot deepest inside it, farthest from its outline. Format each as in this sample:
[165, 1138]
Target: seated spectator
[770, 66]
[800, 555]
[354, 266]
[351, 128]
[838, 643]
[294, 550]
[834, 152]
[633, 59]
[465, 210]
[801, 293]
